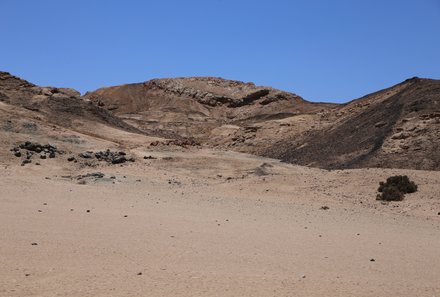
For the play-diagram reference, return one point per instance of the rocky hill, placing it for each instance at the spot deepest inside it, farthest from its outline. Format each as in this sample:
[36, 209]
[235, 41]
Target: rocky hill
[61, 106]
[398, 127]
[213, 111]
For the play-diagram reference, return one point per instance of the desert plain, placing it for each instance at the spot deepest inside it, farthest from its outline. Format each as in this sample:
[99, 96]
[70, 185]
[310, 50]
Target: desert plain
[199, 220]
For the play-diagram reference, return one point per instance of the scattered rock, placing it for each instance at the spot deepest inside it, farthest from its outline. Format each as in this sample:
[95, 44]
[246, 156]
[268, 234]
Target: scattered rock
[380, 124]
[38, 148]
[118, 160]
[92, 174]
[86, 155]
[34, 243]
[32, 148]
[26, 161]
[88, 210]
[325, 207]
[176, 142]
[372, 260]
[71, 158]
[430, 116]
[401, 135]
[174, 182]
[107, 156]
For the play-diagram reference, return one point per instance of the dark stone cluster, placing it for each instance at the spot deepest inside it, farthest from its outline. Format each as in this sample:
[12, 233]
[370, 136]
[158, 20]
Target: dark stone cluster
[107, 156]
[29, 149]
[176, 142]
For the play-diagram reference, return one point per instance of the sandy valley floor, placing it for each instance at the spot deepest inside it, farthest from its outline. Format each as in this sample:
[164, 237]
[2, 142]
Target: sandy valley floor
[206, 223]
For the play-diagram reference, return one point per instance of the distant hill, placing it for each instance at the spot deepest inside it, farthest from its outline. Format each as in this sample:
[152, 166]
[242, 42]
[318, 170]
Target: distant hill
[398, 127]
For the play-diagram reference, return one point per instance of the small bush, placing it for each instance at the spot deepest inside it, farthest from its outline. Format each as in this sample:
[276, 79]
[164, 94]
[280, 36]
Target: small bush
[395, 187]
[391, 193]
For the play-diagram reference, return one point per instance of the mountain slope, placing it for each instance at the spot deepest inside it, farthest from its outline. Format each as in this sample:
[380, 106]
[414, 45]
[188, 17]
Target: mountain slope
[398, 127]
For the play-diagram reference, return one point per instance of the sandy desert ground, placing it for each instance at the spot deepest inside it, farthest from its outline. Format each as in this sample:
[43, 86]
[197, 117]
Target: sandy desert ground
[200, 222]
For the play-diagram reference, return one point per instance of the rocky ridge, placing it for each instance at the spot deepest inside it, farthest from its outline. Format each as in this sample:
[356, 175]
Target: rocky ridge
[396, 127]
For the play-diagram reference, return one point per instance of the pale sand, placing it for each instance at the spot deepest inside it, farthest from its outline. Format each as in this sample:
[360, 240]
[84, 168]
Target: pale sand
[190, 232]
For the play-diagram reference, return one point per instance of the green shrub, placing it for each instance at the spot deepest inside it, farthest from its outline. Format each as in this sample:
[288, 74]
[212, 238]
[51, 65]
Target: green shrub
[395, 187]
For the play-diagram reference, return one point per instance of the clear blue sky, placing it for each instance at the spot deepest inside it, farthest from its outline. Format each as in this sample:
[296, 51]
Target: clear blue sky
[322, 50]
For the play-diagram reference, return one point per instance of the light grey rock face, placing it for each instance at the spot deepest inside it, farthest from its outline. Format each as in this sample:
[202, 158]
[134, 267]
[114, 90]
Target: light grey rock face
[217, 91]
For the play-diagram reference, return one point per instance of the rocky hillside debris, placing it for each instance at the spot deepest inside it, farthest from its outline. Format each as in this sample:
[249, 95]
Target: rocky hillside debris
[28, 149]
[395, 188]
[38, 148]
[380, 124]
[107, 156]
[86, 155]
[401, 135]
[176, 142]
[434, 115]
